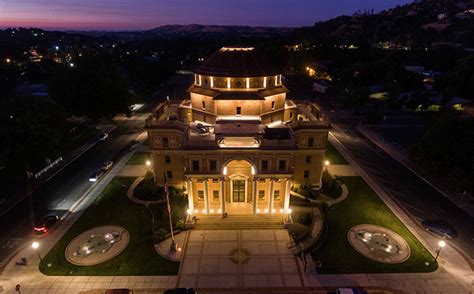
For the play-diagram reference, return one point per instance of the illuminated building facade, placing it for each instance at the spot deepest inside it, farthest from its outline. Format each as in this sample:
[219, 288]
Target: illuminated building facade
[237, 145]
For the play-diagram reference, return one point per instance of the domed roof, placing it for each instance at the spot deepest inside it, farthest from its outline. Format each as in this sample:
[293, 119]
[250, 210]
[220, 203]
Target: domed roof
[236, 61]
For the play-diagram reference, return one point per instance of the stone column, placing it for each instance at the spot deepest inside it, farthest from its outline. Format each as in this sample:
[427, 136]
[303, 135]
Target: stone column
[223, 195]
[254, 194]
[271, 197]
[206, 195]
[286, 204]
[189, 187]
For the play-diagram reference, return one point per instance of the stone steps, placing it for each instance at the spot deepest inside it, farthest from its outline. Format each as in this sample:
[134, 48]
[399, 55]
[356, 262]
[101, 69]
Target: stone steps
[240, 222]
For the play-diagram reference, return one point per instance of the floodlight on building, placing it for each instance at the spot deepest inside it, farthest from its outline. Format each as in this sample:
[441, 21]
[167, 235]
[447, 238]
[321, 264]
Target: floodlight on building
[253, 170]
[212, 210]
[219, 210]
[204, 211]
[228, 83]
[196, 211]
[258, 210]
[224, 172]
[148, 163]
[188, 211]
[273, 210]
[281, 210]
[212, 82]
[265, 82]
[266, 210]
[326, 163]
[289, 210]
[247, 84]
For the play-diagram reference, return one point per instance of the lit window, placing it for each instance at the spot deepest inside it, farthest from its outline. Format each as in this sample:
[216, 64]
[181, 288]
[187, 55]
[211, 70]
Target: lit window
[169, 174]
[215, 194]
[261, 194]
[306, 174]
[308, 159]
[201, 195]
[238, 110]
[276, 195]
[167, 159]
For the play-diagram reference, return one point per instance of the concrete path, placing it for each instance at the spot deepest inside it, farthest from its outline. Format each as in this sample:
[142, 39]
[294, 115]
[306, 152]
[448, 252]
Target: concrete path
[131, 170]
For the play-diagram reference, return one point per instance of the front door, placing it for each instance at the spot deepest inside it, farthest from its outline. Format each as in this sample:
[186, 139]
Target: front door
[238, 193]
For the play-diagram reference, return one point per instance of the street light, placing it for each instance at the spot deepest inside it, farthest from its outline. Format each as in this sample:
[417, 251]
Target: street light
[35, 246]
[148, 163]
[326, 163]
[441, 244]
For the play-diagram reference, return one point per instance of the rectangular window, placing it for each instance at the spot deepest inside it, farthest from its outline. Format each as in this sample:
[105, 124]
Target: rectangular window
[306, 174]
[195, 165]
[215, 194]
[261, 194]
[238, 110]
[281, 165]
[165, 142]
[308, 159]
[169, 174]
[261, 181]
[273, 105]
[276, 195]
[213, 165]
[291, 114]
[310, 142]
[265, 165]
[204, 105]
[167, 159]
[201, 195]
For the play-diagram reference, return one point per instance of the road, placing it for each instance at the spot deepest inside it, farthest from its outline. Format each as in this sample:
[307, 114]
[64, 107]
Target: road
[58, 194]
[415, 196]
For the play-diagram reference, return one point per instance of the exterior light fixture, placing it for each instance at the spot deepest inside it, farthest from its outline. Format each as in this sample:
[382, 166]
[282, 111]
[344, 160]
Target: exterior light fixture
[289, 210]
[326, 163]
[212, 82]
[196, 211]
[281, 210]
[248, 83]
[204, 211]
[219, 210]
[276, 80]
[265, 82]
[266, 210]
[273, 210]
[253, 171]
[200, 80]
[212, 211]
[148, 163]
[441, 244]
[228, 83]
[35, 246]
[224, 172]
[258, 210]
[188, 211]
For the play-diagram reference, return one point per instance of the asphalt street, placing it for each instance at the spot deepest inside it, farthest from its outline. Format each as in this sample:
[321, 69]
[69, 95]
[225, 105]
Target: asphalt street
[418, 198]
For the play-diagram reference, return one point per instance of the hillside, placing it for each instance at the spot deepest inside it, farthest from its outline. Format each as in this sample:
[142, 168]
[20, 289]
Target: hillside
[421, 23]
[196, 29]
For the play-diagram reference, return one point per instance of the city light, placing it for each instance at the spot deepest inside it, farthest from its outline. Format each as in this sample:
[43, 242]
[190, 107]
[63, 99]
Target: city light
[35, 245]
[8, 60]
[148, 163]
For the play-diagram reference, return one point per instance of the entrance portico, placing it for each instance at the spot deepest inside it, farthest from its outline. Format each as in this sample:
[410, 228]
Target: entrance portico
[240, 190]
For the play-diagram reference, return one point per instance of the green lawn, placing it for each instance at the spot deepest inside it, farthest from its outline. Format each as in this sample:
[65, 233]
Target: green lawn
[112, 207]
[334, 156]
[364, 206]
[138, 158]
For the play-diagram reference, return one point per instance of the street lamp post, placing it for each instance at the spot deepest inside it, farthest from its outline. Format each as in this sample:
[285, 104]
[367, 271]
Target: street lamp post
[326, 164]
[35, 246]
[441, 244]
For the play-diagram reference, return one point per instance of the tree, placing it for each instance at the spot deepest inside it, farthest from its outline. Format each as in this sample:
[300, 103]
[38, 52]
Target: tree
[92, 88]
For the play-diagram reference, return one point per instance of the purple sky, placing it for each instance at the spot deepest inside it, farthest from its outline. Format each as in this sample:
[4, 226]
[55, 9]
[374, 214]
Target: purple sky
[146, 14]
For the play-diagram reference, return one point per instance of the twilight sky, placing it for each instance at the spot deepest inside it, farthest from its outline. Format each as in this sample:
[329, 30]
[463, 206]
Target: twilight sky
[146, 14]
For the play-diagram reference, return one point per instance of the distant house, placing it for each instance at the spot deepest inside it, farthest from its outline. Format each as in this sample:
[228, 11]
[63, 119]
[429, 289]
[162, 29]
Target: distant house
[321, 86]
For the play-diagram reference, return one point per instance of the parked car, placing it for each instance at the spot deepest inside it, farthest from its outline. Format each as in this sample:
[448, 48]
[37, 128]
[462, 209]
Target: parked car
[440, 227]
[103, 136]
[107, 165]
[46, 223]
[95, 176]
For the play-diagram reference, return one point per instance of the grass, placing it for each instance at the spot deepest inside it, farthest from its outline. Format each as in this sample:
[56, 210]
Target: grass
[112, 207]
[364, 206]
[334, 156]
[138, 158]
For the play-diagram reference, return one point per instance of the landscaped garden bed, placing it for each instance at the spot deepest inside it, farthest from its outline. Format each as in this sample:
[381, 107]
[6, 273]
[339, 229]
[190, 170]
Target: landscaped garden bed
[112, 207]
[363, 206]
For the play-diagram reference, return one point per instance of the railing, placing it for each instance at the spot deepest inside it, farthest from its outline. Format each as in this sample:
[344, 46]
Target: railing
[48, 167]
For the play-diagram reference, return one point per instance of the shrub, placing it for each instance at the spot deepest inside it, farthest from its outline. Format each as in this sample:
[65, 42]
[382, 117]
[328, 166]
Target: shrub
[331, 187]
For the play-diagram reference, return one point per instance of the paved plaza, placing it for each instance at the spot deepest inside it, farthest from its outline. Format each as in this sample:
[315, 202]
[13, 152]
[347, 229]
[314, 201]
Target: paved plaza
[262, 260]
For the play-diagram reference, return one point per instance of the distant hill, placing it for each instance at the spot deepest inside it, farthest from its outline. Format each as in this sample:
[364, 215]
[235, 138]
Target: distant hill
[215, 29]
[423, 22]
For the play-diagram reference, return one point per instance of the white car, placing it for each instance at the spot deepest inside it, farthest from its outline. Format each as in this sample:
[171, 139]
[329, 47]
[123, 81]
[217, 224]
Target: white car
[95, 176]
[107, 165]
[103, 136]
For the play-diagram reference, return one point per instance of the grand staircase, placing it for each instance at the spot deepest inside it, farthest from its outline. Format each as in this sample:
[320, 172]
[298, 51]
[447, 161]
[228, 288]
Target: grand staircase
[239, 222]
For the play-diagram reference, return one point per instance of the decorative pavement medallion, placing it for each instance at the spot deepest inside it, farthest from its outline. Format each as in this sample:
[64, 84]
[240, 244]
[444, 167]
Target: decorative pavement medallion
[239, 256]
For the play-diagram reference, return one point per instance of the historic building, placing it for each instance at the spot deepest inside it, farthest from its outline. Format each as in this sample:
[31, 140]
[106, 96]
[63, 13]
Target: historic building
[237, 145]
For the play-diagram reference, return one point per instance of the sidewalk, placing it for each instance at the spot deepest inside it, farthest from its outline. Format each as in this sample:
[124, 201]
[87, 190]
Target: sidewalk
[406, 161]
[454, 274]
